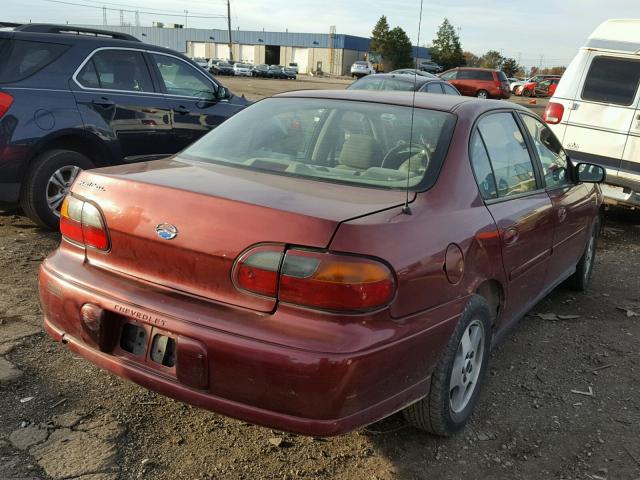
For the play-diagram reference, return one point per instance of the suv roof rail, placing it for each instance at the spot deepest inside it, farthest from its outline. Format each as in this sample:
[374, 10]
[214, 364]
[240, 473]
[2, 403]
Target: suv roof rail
[73, 30]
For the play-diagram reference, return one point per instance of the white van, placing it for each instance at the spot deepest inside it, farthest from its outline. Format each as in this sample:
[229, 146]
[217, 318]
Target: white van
[595, 110]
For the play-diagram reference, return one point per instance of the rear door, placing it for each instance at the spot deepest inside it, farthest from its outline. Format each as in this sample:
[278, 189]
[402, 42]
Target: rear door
[192, 96]
[117, 99]
[602, 114]
[520, 207]
[574, 204]
[629, 172]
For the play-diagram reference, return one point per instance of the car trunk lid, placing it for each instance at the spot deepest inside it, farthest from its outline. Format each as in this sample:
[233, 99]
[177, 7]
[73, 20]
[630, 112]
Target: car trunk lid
[218, 212]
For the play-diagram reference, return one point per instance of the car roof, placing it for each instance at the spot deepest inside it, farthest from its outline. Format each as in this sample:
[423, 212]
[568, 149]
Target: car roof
[475, 68]
[445, 103]
[405, 77]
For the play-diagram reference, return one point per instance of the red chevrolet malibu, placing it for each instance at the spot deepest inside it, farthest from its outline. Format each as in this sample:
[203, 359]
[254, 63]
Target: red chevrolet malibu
[324, 258]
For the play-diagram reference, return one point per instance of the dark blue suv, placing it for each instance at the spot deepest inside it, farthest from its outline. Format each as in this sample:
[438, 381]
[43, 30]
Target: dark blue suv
[73, 98]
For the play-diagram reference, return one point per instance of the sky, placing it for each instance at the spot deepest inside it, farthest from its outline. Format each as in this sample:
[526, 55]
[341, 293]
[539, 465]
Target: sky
[535, 33]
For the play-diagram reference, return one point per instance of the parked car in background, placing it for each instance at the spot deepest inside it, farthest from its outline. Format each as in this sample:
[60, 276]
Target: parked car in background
[261, 70]
[478, 82]
[289, 261]
[275, 71]
[413, 71]
[535, 79]
[289, 73]
[75, 98]
[292, 66]
[404, 82]
[242, 69]
[595, 110]
[202, 62]
[430, 67]
[362, 68]
[544, 88]
[222, 68]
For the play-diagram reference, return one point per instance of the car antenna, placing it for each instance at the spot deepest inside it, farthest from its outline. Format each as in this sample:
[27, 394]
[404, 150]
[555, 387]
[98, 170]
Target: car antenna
[406, 209]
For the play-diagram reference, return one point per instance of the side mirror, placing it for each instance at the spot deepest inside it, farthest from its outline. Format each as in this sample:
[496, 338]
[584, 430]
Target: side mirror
[590, 173]
[222, 93]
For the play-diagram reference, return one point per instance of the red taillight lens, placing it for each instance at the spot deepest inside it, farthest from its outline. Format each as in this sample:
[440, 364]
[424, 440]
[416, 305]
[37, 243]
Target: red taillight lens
[257, 271]
[82, 222]
[6, 101]
[314, 279]
[553, 113]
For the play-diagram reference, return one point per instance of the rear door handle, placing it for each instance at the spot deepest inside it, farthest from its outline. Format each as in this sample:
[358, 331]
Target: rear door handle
[510, 235]
[181, 110]
[103, 102]
[562, 214]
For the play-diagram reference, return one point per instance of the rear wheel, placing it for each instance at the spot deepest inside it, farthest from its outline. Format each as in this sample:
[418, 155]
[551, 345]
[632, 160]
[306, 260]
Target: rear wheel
[483, 94]
[47, 183]
[584, 269]
[526, 93]
[458, 377]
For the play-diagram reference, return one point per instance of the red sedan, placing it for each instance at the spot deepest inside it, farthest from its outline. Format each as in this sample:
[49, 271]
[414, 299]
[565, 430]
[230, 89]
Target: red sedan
[311, 266]
[544, 88]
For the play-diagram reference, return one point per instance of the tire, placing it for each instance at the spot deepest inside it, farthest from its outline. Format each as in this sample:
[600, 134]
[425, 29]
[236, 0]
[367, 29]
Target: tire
[483, 94]
[526, 92]
[440, 412]
[584, 268]
[40, 183]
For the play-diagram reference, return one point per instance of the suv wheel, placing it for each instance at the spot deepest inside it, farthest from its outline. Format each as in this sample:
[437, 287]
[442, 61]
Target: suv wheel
[47, 182]
[483, 94]
[458, 376]
[584, 269]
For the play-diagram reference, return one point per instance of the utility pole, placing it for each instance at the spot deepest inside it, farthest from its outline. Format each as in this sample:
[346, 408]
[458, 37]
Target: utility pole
[229, 25]
[121, 17]
[104, 16]
[186, 14]
[137, 18]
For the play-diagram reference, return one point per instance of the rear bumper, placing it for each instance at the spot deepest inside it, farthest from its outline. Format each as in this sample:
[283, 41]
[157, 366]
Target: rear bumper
[309, 392]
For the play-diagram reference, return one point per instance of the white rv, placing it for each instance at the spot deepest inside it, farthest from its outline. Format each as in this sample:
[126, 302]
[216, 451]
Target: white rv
[595, 110]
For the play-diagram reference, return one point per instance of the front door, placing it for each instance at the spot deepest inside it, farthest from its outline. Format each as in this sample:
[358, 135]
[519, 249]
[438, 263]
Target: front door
[573, 207]
[519, 205]
[118, 101]
[192, 96]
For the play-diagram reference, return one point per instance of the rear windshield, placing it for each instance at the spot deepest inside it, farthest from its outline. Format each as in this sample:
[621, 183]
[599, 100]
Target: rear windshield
[612, 80]
[332, 140]
[20, 59]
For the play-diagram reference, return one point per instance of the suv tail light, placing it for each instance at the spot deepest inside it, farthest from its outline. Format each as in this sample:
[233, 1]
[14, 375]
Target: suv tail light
[316, 279]
[82, 223]
[553, 113]
[6, 101]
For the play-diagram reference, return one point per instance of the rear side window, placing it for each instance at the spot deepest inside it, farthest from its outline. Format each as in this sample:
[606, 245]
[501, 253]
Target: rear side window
[508, 154]
[612, 80]
[449, 75]
[433, 87]
[116, 70]
[449, 90]
[20, 59]
[482, 168]
[475, 75]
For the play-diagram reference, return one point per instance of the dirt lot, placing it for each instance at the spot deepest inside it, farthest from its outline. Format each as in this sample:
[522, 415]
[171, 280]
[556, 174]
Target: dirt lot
[62, 418]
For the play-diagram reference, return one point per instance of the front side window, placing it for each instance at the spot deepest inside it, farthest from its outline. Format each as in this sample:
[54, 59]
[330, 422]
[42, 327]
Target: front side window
[366, 83]
[449, 90]
[182, 79]
[449, 75]
[20, 59]
[612, 80]
[508, 154]
[550, 152]
[360, 143]
[433, 88]
[393, 84]
[116, 70]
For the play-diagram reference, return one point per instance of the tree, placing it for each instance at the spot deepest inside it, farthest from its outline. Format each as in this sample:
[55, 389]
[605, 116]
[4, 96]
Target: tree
[492, 59]
[471, 60]
[398, 50]
[379, 35]
[510, 67]
[446, 49]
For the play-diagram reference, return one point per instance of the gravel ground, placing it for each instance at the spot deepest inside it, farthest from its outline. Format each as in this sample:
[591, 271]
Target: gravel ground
[560, 402]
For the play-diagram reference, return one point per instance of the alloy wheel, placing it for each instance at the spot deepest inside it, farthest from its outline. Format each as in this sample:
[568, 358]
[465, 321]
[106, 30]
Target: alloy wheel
[58, 186]
[588, 258]
[467, 365]
[483, 95]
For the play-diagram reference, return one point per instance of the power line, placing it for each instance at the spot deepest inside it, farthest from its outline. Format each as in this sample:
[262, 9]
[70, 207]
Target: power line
[141, 12]
[138, 7]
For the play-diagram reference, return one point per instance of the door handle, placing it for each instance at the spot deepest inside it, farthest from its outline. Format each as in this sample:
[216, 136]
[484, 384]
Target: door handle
[562, 214]
[181, 110]
[103, 102]
[510, 235]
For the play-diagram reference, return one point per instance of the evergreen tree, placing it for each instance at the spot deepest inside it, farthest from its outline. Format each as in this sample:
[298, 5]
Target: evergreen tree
[510, 67]
[446, 49]
[398, 50]
[492, 59]
[379, 35]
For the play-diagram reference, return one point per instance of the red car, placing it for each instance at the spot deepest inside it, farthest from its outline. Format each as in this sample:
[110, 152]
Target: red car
[328, 269]
[478, 82]
[544, 88]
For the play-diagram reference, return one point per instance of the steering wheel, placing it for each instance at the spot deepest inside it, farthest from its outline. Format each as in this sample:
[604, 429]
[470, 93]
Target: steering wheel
[401, 152]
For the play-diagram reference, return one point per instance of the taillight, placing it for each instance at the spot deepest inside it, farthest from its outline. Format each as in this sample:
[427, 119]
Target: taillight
[6, 101]
[553, 113]
[316, 279]
[82, 223]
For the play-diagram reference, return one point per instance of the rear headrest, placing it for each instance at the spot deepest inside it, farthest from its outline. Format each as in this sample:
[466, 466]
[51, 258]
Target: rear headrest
[360, 152]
